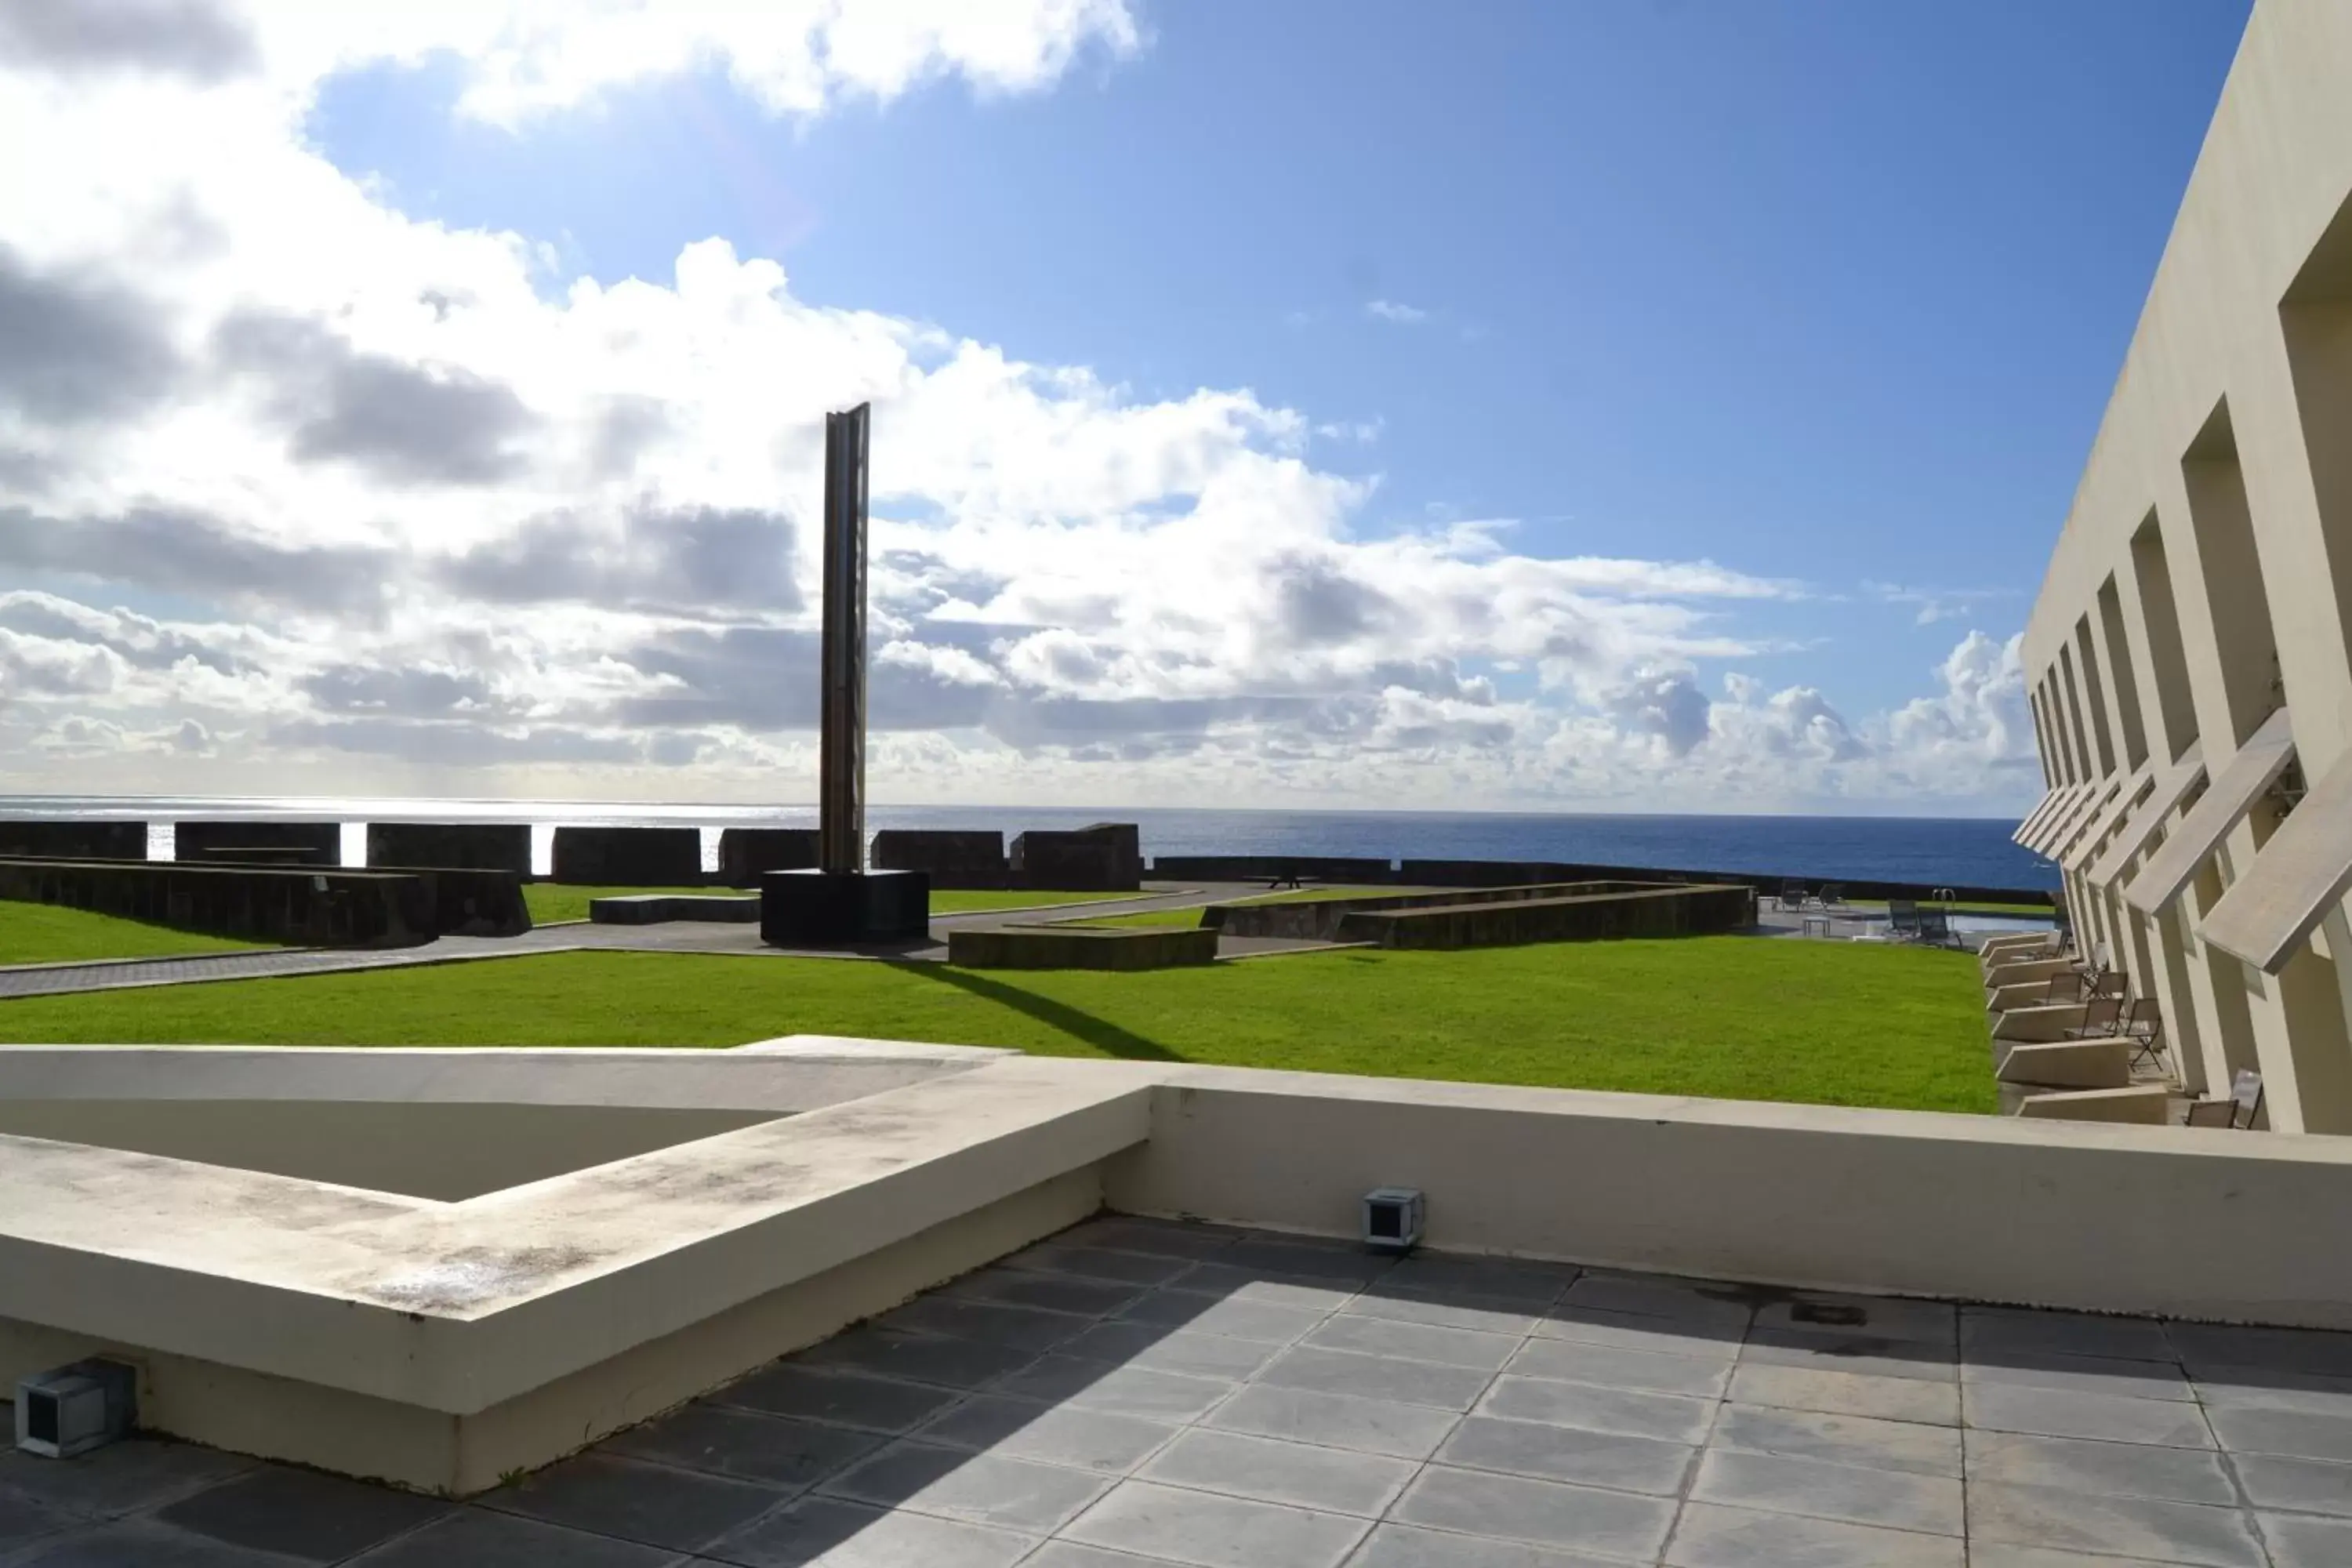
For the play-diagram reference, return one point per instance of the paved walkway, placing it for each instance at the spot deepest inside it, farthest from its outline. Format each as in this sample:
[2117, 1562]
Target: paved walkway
[674, 936]
[1135, 1395]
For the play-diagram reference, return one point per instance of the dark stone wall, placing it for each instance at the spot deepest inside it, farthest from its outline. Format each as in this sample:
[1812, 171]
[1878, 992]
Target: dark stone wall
[1319, 920]
[75, 840]
[629, 857]
[1104, 858]
[1654, 912]
[953, 859]
[1272, 867]
[745, 853]
[286, 843]
[1065, 947]
[309, 908]
[1520, 873]
[471, 902]
[462, 846]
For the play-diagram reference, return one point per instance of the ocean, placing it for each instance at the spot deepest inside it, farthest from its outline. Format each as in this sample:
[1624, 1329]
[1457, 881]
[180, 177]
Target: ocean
[1956, 851]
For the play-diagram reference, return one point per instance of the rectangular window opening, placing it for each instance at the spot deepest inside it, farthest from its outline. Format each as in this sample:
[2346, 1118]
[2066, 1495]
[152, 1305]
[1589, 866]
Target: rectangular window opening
[2231, 564]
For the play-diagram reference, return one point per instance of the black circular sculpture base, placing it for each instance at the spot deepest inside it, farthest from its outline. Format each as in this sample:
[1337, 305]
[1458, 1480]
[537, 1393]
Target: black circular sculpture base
[843, 908]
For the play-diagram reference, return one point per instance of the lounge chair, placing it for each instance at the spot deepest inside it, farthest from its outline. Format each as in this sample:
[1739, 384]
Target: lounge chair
[1936, 926]
[1832, 897]
[2237, 1109]
[1903, 919]
[1793, 895]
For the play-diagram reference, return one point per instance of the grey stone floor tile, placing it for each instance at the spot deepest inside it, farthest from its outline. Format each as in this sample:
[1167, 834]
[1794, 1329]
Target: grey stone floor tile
[2272, 1390]
[2281, 1350]
[1618, 1368]
[1413, 1341]
[1882, 1317]
[2269, 1429]
[1567, 1453]
[122, 1478]
[1106, 1385]
[2129, 1527]
[1407, 1546]
[651, 1504]
[2302, 1485]
[141, 1543]
[1053, 1292]
[1166, 1238]
[1442, 1310]
[2004, 1555]
[1019, 1328]
[1376, 1377]
[321, 1518]
[1779, 1483]
[1500, 1279]
[2057, 1412]
[1862, 1440]
[1330, 1480]
[1050, 1434]
[820, 1532]
[1709, 1535]
[775, 1450]
[2307, 1543]
[1634, 1331]
[1308, 1260]
[1636, 1414]
[1543, 1513]
[2110, 1469]
[1273, 1322]
[477, 1538]
[1100, 1263]
[979, 1488]
[844, 1398]
[24, 1520]
[1833, 1351]
[1987, 1331]
[1210, 1530]
[915, 1358]
[1230, 1283]
[1656, 1296]
[1848, 1394]
[1071, 1554]
[2082, 1375]
[1335, 1420]
[1163, 1349]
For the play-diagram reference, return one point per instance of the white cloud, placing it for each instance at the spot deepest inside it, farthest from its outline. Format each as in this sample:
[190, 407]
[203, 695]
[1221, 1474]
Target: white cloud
[1403, 315]
[448, 534]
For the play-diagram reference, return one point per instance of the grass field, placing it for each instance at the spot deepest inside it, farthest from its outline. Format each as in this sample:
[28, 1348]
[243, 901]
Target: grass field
[552, 901]
[44, 934]
[1820, 1022]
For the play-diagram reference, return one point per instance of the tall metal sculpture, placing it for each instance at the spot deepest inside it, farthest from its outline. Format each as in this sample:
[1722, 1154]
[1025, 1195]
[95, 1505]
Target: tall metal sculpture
[841, 902]
[841, 765]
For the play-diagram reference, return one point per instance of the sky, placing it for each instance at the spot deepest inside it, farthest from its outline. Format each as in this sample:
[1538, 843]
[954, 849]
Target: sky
[1632, 407]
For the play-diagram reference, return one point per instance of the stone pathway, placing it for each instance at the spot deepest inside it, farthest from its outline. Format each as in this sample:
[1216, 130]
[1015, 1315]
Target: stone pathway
[1135, 1394]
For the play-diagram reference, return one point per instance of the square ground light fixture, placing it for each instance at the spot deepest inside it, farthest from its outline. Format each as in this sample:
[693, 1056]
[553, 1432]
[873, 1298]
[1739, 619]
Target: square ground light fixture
[1392, 1218]
[76, 1408]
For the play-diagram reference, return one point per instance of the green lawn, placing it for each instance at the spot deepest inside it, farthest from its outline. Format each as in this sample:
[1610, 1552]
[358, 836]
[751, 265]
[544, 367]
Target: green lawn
[552, 901]
[45, 933]
[1830, 1023]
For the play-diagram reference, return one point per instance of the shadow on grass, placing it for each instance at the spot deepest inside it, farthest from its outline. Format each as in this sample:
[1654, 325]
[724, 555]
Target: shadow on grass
[1100, 1033]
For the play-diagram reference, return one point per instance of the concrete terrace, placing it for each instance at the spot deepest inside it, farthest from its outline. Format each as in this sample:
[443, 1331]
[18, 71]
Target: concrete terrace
[1134, 1392]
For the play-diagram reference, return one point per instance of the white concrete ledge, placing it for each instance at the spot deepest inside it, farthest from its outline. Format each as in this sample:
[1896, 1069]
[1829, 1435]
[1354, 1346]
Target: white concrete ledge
[2141, 1105]
[2070, 1064]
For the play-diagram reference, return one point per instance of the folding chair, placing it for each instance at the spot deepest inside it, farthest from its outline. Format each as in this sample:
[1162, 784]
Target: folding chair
[2144, 1026]
[2245, 1100]
[2102, 1018]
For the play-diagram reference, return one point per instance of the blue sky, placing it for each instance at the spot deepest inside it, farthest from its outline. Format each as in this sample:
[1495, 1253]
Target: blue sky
[1831, 291]
[1767, 342]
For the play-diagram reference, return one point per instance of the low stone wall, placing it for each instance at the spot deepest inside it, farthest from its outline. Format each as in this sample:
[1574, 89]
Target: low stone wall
[655, 908]
[1318, 919]
[954, 858]
[1272, 867]
[301, 906]
[1080, 947]
[629, 857]
[747, 853]
[1104, 858]
[469, 901]
[454, 845]
[75, 840]
[1582, 917]
[251, 843]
